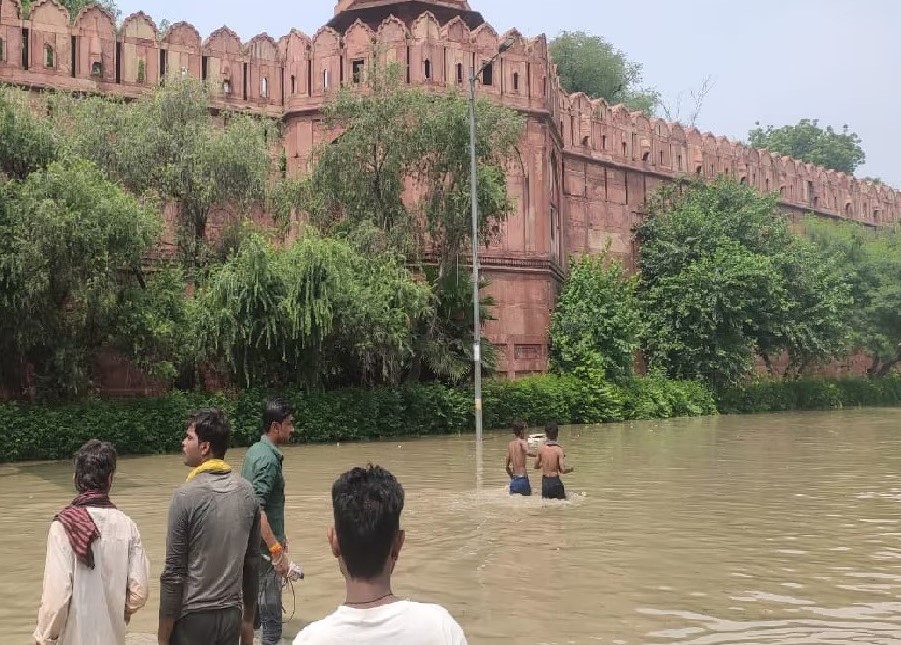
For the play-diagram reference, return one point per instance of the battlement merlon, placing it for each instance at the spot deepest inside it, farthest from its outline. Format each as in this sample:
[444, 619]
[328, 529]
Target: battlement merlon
[439, 40]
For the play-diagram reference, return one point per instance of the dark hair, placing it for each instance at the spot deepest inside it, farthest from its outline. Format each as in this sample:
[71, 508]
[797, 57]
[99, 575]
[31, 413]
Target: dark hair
[519, 427]
[275, 410]
[212, 426]
[94, 463]
[367, 503]
[551, 430]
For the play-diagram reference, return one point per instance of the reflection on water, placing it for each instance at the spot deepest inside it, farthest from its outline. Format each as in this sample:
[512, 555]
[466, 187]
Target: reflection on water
[768, 529]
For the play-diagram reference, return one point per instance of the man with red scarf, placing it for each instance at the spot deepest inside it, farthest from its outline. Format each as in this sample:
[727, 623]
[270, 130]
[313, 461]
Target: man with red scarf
[95, 576]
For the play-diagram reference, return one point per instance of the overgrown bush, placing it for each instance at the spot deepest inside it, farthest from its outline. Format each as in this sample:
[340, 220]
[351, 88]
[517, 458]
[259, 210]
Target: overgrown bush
[146, 426]
[767, 395]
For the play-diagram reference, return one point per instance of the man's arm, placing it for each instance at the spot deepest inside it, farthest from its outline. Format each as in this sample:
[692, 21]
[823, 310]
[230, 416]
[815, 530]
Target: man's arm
[538, 458]
[57, 592]
[172, 580]
[561, 463]
[507, 465]
[138, 569]
[251, 580]
[264, 477]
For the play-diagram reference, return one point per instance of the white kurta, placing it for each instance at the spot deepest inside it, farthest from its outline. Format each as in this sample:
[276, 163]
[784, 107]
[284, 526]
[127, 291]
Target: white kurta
[81, 606]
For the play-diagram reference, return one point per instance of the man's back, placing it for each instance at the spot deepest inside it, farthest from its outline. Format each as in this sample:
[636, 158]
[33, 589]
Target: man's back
[91, 609]
[550, 457]
[398, 623]
[213, 520]
[517, 451]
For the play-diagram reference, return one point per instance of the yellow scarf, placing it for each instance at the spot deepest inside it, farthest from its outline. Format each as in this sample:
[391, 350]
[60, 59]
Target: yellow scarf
[210, 466]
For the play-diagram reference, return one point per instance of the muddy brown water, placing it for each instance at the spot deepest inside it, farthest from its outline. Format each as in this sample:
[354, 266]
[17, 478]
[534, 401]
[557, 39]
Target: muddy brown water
[757, 529]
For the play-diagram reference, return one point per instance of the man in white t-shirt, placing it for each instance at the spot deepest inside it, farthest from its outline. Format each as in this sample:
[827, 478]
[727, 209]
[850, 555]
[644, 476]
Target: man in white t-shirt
[367, 540]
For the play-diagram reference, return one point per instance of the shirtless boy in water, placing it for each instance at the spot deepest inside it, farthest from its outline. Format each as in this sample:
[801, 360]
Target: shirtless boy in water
[552, 462]
[517, 451]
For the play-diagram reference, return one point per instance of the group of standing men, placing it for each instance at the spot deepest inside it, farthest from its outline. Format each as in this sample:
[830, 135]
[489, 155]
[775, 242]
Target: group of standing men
[226, 552]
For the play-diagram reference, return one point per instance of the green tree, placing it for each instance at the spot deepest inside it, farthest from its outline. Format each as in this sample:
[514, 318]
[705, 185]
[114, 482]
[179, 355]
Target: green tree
[702, 320]
[313, 313]
[168, 148]
[397, 177]
[723, 278]
[596, 325]
[812, 325]
[809, 142]
[871, 263]
[27, 142]
[591, 65]
[71, 243]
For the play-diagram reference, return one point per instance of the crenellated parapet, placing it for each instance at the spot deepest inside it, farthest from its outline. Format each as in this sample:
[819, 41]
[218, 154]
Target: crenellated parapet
[611, 134]
[296, 74]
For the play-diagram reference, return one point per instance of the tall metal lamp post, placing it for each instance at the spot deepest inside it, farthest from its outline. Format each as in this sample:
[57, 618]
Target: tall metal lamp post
[474, 197]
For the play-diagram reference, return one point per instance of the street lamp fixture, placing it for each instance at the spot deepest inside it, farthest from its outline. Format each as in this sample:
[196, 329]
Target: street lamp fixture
[474, 198]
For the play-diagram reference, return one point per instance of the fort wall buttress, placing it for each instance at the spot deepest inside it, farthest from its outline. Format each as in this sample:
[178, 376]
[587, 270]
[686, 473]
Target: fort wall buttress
[584, 169]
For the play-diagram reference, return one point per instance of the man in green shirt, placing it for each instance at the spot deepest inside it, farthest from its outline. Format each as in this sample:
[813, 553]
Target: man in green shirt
[263, 469]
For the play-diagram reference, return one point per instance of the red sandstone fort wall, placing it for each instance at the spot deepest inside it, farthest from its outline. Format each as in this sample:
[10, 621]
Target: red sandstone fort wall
[585, 168]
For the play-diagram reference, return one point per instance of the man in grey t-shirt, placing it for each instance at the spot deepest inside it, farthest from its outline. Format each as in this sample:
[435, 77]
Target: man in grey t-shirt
[208, 588]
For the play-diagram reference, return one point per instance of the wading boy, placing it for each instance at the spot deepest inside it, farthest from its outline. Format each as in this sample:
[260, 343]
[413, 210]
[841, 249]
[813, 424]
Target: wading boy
[551, 461]
[517, 451]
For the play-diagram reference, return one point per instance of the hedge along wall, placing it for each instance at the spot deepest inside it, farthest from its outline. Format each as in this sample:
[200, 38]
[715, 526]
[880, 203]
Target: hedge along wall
[811, 394]
[156, 425]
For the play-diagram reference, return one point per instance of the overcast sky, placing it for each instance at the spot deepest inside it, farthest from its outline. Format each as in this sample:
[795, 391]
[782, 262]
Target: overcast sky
[773, 61]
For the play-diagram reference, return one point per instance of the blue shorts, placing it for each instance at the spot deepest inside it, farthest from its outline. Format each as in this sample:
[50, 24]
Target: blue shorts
[519, 485]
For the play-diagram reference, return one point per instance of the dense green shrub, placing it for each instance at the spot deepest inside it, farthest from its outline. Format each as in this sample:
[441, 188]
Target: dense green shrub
[767, 395]
[142, 426]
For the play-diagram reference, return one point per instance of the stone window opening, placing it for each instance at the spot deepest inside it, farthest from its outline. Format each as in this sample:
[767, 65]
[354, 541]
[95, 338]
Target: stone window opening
[293, 84]
[142, 71]
[876, 215]
[646, 156]
[604, 142]
[184, 72]
[428, 69]
[515, 81]
[488, 75]
[357, 67]
[699, 170]
[661, 157]
[325, 79]
[680, 163]
[849, 210]
[625, 149]
[2, 50]
[585, 141]
[264, 87]
[96, 68]
[49, 58]
[459, 72]
[226, 87]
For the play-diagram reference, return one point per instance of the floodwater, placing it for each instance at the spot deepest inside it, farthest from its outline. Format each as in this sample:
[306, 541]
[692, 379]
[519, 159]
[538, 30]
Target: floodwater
[757, 529]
